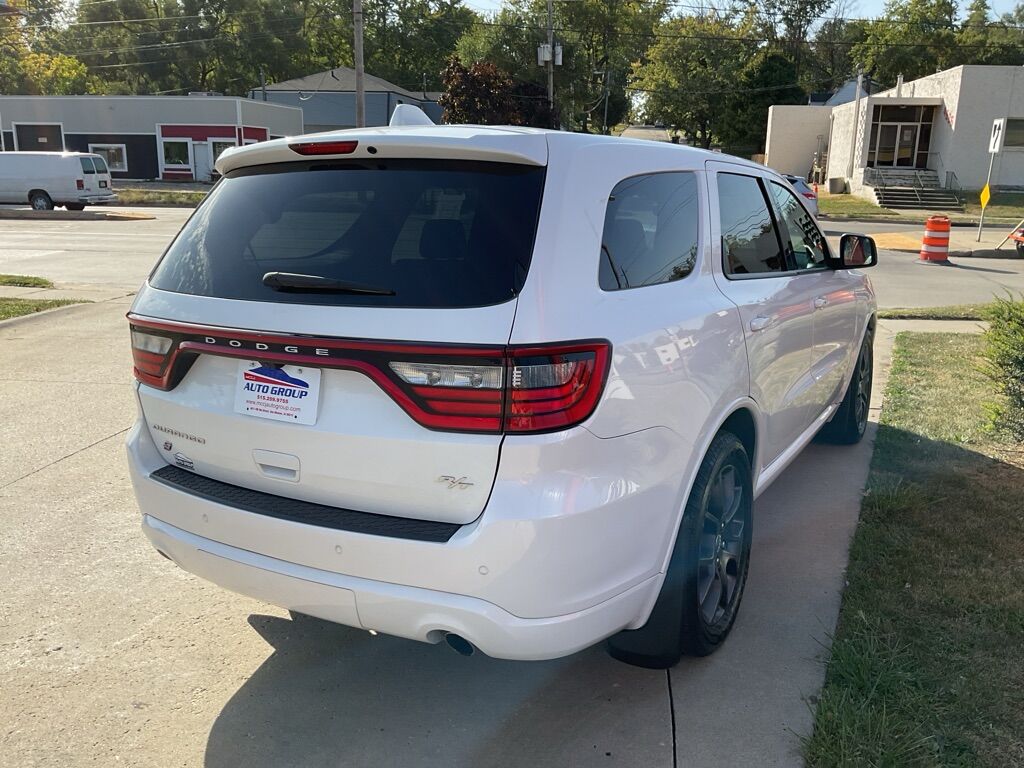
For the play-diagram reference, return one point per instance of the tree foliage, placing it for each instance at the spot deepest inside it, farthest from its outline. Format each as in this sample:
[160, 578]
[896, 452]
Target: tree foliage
[486, 95]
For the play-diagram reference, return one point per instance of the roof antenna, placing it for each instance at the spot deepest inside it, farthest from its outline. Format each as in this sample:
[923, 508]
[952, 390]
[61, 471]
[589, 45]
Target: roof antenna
[409, 114]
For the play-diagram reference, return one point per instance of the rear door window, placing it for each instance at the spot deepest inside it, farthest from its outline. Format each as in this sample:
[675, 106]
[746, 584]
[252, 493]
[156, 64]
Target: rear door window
[750, 244]
[435, 233]
[651, 231]
[101, 166]
[87, 166]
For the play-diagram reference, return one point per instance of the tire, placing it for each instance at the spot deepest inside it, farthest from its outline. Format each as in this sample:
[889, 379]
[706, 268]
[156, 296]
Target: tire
[75, 206]
[40, 201]
[1020, 249]
[850, 421]
[693, 614]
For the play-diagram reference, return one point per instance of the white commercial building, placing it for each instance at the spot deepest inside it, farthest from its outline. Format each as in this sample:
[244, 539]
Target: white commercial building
[909, 141]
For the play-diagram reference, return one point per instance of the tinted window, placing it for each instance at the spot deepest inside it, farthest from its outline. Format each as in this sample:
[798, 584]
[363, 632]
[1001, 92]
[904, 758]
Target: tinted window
[101, 167]
[805, 239]
[749, 242]
[87, 166]
[650, 231]
[437, 233]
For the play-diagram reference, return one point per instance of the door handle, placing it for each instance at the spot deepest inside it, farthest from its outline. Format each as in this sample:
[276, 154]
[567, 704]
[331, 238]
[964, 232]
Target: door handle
[759, 323]
[820, 303]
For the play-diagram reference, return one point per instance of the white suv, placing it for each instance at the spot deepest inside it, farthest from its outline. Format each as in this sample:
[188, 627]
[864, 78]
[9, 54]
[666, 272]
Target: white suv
[509, 388]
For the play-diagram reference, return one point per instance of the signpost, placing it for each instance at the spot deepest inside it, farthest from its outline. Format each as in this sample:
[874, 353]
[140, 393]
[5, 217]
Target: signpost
[995, 146]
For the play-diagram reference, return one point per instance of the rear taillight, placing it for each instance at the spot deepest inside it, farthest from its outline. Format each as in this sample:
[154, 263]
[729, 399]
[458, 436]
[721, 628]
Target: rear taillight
[512, 389]
[79, 183]
[810, 195]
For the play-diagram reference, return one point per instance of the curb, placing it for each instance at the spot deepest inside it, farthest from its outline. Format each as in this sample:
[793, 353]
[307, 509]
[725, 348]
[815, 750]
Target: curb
[897, 219]
[12, 321]
[8, 214]
[980, 253]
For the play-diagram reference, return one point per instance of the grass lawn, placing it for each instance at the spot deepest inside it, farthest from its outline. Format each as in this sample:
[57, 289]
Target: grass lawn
[849, 205]
[927, 665]
[25, 281]
[954, 312]
[16, 307]
[184, 198]
[1004, 205]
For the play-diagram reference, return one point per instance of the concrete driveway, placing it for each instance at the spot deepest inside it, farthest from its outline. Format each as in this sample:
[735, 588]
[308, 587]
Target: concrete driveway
[112, 655]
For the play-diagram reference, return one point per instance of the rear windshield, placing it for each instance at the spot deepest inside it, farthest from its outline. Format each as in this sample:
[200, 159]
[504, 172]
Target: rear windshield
[87, 166]
[435, 233]
[101, 166]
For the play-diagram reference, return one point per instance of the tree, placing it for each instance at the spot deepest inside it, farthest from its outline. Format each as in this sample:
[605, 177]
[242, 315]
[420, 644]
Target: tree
[690, 74]
[53, 75]
[768, 78]
[914, 38]
[486, 95]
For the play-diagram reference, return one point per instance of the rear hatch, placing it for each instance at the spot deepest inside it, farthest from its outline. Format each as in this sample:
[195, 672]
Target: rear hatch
[334, 330]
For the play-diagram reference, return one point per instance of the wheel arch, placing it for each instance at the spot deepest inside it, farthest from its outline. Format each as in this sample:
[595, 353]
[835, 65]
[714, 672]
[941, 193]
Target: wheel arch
[34, 190]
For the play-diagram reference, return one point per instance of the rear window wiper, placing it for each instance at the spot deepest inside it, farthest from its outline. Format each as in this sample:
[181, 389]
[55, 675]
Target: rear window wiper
[296, 283]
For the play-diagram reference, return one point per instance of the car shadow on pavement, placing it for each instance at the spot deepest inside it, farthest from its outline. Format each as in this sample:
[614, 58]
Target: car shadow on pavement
[331, 695]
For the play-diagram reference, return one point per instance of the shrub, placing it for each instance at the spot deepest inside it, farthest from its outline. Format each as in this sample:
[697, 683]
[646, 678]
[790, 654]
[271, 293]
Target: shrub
[1004, 354]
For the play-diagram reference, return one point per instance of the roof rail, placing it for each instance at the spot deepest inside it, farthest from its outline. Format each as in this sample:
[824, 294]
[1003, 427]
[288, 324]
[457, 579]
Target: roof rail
[409, 114]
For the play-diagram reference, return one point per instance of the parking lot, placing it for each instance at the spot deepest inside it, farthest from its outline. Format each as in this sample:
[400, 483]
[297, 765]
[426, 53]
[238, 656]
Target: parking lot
[113, 656]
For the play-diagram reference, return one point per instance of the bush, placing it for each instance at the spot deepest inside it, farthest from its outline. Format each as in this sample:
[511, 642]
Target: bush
[1004, 353]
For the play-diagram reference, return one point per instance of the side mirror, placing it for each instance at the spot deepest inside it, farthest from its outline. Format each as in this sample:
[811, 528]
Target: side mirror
[856, 252]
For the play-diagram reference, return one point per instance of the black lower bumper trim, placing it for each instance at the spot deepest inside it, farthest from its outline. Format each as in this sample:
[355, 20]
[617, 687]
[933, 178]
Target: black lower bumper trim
[307, 512]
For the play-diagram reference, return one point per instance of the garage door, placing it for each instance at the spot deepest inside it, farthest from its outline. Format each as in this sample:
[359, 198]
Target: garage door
[40, 138]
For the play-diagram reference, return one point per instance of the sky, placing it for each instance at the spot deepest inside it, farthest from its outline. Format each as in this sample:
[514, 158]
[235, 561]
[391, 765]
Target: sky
[859, 8]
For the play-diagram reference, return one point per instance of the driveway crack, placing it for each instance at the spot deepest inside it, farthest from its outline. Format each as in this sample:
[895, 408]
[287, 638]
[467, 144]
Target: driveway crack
[672, 715]
[62, 458]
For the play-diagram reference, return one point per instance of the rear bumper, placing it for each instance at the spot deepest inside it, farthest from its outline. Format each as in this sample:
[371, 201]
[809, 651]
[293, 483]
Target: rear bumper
[417, 614]
[569, 550]
[108, 197]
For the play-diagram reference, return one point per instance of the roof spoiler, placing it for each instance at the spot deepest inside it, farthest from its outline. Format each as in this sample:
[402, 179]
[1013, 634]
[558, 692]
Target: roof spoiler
[409, 114]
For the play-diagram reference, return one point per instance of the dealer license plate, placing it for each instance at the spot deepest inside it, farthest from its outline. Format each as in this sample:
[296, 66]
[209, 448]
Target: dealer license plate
[289, 393]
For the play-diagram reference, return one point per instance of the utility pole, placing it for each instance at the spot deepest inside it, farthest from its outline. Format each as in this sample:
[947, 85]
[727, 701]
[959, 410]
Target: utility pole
[263, 82]
[607, 93]
[551, 57]
[357, 54]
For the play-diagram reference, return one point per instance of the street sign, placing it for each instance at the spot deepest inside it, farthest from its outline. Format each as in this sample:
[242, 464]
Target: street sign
[986, 195]
[995, 140]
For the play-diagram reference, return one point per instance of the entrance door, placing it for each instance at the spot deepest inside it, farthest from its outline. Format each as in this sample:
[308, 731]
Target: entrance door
[888, 133]
[906, 145]
[203, 160]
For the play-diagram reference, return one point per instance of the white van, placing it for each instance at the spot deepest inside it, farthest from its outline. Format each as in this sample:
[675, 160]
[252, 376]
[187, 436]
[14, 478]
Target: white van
[46, 179]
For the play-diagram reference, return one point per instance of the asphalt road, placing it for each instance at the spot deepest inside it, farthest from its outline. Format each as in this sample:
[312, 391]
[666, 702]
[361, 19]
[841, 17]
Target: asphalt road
[104, 255]
[110, 655]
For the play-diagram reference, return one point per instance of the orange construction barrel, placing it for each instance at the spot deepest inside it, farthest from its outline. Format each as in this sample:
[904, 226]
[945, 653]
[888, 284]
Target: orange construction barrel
[935, 243]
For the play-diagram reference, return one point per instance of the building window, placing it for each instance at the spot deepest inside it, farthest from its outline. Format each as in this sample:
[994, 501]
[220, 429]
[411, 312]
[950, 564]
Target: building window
[1014, 137]
[219, 147]
[176, 155]
[115, 154]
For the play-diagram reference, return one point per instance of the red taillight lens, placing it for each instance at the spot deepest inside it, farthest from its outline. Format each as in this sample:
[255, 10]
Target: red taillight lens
[810, 196]
[443, 387]
[79, 183]
[151, 354]
[324, 147]
[554, 387]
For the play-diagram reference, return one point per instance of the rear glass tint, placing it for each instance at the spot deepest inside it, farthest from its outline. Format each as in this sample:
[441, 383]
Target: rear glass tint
[436, 233]
[87, 166]
[101, 166]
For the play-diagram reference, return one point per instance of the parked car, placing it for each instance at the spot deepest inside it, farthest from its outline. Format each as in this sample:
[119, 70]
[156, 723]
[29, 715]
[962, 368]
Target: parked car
[805, 190]
[46, 179]
[511, 389]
